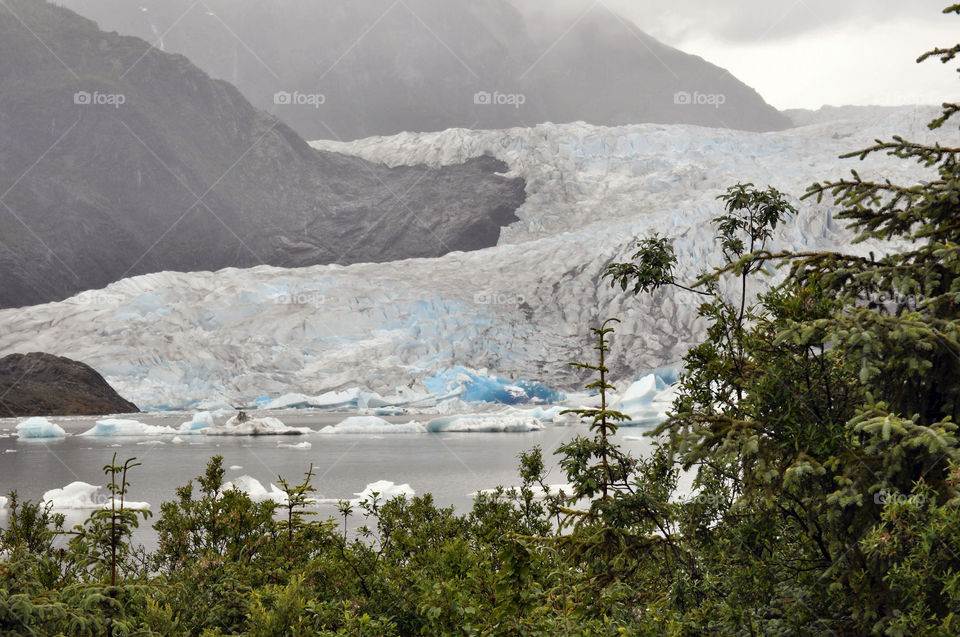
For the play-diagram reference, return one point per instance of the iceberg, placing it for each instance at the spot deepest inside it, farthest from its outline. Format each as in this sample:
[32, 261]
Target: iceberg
[39, 428]
[373, 425]
[384, 490]
[200, 420]
[329, 400]
[255, 490]
[3, 502]
[80, 495]
[645, 401]
[111, 427]
[485, 423]
[244, 425]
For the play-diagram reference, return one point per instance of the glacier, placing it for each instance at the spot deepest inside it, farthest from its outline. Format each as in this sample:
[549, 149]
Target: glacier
[518, 312]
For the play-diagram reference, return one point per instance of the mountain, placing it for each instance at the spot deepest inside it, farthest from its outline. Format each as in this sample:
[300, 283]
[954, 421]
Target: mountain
[117, 159]
[381, 67]
[520, 310]
[43, 385]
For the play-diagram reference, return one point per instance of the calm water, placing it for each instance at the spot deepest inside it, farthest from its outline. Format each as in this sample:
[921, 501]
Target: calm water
[449, 465]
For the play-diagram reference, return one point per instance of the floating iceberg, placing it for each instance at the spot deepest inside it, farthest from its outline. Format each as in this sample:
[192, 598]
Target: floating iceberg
[39, 428]
[201, 420]
[373, 425]
[485, 423]
[385, 491]
[299, 445]
[645, 401]
[3, 502]
[255, 490]
[111, 427]
[479, 387]
[80, 495]
[329, 400]
[244, 425]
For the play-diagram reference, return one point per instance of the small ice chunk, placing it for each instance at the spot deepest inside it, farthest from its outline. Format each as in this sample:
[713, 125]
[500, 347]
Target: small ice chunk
[177, 440]
[235, 467]
[300, 445]
[39, 428]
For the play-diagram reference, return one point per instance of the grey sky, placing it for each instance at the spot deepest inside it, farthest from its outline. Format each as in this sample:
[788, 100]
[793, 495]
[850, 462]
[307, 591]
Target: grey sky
[805, 53]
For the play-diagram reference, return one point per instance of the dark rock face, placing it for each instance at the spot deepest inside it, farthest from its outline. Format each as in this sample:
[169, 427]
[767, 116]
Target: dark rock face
[45, 385]
[117, 159]
[385, 67]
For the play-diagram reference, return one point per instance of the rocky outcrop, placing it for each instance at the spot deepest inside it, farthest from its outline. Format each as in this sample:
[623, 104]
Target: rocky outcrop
[45, 385]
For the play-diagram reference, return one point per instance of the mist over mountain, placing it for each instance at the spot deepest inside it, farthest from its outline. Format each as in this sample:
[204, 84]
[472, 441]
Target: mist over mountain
[379, 67]
[118, 159]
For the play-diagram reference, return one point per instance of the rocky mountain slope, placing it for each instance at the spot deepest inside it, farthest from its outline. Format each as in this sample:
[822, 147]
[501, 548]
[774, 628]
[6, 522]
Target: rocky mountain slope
[117, 159]
[383, 67]
[45, 385]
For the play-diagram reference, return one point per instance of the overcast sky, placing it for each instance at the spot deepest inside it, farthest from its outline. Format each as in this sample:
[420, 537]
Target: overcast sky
[807, 53]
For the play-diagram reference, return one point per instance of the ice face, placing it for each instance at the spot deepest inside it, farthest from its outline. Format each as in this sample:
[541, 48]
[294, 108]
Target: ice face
[39, 428]
[521, 310]
[477, 387]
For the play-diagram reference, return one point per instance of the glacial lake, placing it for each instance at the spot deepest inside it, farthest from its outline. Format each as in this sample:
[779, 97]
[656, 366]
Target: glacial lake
[451, 466]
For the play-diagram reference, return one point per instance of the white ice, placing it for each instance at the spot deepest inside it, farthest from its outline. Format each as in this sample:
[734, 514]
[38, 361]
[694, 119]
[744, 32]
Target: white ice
[255, 490]
[299, 445]
[485, 423]
[385, 491]
[111, 427]
[39, 428]
[80, 495]
[373, 425]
